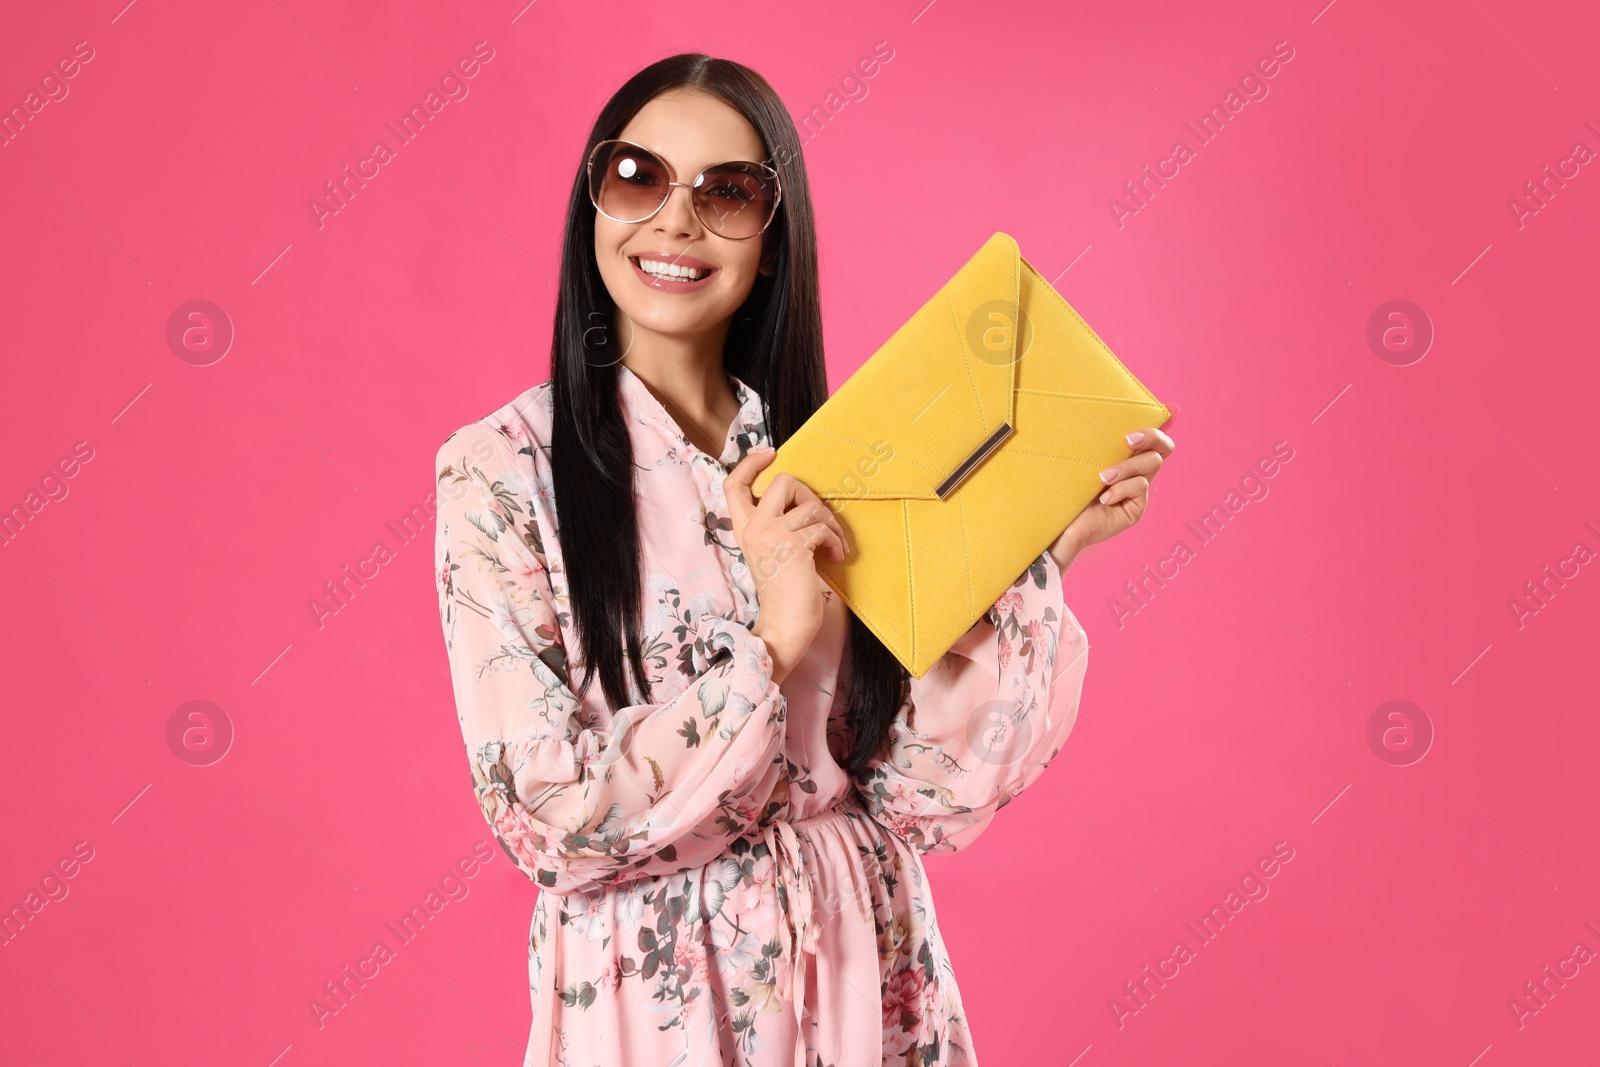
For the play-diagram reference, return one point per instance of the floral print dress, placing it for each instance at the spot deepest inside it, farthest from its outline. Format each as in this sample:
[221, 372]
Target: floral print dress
[716, 889]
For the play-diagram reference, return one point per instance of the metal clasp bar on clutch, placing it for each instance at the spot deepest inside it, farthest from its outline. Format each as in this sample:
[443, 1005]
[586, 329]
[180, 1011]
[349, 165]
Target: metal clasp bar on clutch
[958, 475]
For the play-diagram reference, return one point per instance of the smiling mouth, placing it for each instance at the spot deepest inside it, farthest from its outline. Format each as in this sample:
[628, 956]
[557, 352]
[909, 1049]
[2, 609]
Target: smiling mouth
[670, 276]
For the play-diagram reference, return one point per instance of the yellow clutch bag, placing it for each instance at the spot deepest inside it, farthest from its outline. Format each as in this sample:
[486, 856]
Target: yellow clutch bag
[961, 449]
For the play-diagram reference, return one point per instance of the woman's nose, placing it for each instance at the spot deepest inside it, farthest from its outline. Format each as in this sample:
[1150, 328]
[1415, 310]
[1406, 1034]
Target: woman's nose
[677, 214]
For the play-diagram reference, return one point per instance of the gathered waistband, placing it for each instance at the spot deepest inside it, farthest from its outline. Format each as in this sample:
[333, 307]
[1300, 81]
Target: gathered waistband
[838, 807]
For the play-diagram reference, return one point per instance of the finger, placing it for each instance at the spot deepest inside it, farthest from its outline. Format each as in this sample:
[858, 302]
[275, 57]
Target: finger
[1126, 489]
[780, 494]
[1140, 463]
[1151, 439]
[736, 486]
[821, 535]
[803, 514]
[745, 471]
[813, 509]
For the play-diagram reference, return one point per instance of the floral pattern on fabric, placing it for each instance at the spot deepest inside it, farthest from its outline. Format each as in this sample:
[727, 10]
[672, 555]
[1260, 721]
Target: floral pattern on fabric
[717, 890]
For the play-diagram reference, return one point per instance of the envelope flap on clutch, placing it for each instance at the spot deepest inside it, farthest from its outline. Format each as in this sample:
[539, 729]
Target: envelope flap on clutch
[928, 401]
[1078, 390]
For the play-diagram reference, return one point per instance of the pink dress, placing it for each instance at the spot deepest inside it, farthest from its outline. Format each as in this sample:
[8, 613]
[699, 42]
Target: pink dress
[717, 890]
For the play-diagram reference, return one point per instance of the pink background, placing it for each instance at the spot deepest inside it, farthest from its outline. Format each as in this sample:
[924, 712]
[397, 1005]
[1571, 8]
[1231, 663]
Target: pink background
[1229, 713]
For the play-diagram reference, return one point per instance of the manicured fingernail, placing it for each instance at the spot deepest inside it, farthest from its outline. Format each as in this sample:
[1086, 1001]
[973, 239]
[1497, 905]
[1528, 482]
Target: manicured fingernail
[1135, 437]
[1105, 497]
[1108, 474]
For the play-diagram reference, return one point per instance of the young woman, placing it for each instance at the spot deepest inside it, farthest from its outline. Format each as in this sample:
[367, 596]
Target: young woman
[728, 829]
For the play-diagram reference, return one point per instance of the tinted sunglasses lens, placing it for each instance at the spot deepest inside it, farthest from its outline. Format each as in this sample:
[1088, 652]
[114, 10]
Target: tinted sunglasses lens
[736, 199]
[626, 182]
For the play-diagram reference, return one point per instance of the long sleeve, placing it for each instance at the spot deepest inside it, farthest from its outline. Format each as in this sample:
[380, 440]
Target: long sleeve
[985, 721]
[581, 795]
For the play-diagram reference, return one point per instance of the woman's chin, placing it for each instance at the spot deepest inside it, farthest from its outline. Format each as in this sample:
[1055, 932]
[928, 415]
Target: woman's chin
[674, 322]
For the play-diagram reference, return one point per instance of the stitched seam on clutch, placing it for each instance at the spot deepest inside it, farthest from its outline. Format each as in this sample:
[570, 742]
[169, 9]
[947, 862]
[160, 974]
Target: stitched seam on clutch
[905, 522]
[847, 440]
[885, 494]
[888, 642]
[966, 363]
[1062, 301]
[897, 455]
[864, 609]
[1013, 371]
[1046, 455]
[1093, 426]
[961, 513]
[1088, 396]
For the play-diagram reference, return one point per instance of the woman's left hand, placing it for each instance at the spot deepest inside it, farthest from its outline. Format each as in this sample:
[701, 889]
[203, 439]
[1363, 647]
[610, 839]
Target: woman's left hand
[1124, 500]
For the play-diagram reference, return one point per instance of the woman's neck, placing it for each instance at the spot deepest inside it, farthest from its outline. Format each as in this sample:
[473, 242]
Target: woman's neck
[686, 374]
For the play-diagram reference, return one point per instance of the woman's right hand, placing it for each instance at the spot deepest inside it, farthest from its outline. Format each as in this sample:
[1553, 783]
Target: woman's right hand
[779, 535]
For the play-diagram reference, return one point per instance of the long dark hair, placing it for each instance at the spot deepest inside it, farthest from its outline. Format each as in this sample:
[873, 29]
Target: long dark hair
[774, 345]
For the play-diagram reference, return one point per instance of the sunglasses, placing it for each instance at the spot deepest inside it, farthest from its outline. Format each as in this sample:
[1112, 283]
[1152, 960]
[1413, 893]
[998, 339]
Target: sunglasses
[630, 183]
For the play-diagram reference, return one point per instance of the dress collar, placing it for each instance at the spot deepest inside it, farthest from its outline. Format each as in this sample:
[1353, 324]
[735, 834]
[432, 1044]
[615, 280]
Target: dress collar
[748, 429]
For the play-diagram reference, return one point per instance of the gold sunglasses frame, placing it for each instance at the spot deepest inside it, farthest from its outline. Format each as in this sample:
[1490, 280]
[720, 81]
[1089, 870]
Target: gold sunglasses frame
[588, 170]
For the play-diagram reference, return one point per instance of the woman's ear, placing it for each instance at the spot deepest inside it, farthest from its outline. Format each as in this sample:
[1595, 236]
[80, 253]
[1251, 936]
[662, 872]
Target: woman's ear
[769, 257]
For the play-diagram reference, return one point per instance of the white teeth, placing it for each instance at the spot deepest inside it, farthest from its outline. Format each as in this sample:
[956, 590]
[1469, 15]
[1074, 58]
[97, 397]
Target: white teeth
[669, 270]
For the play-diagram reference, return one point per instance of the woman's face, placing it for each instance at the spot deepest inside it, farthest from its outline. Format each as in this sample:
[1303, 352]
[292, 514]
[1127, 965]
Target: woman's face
[691, 131]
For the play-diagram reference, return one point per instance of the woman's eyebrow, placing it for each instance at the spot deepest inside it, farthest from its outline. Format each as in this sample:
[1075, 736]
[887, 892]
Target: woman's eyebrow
[676, 169]
[663, 156]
